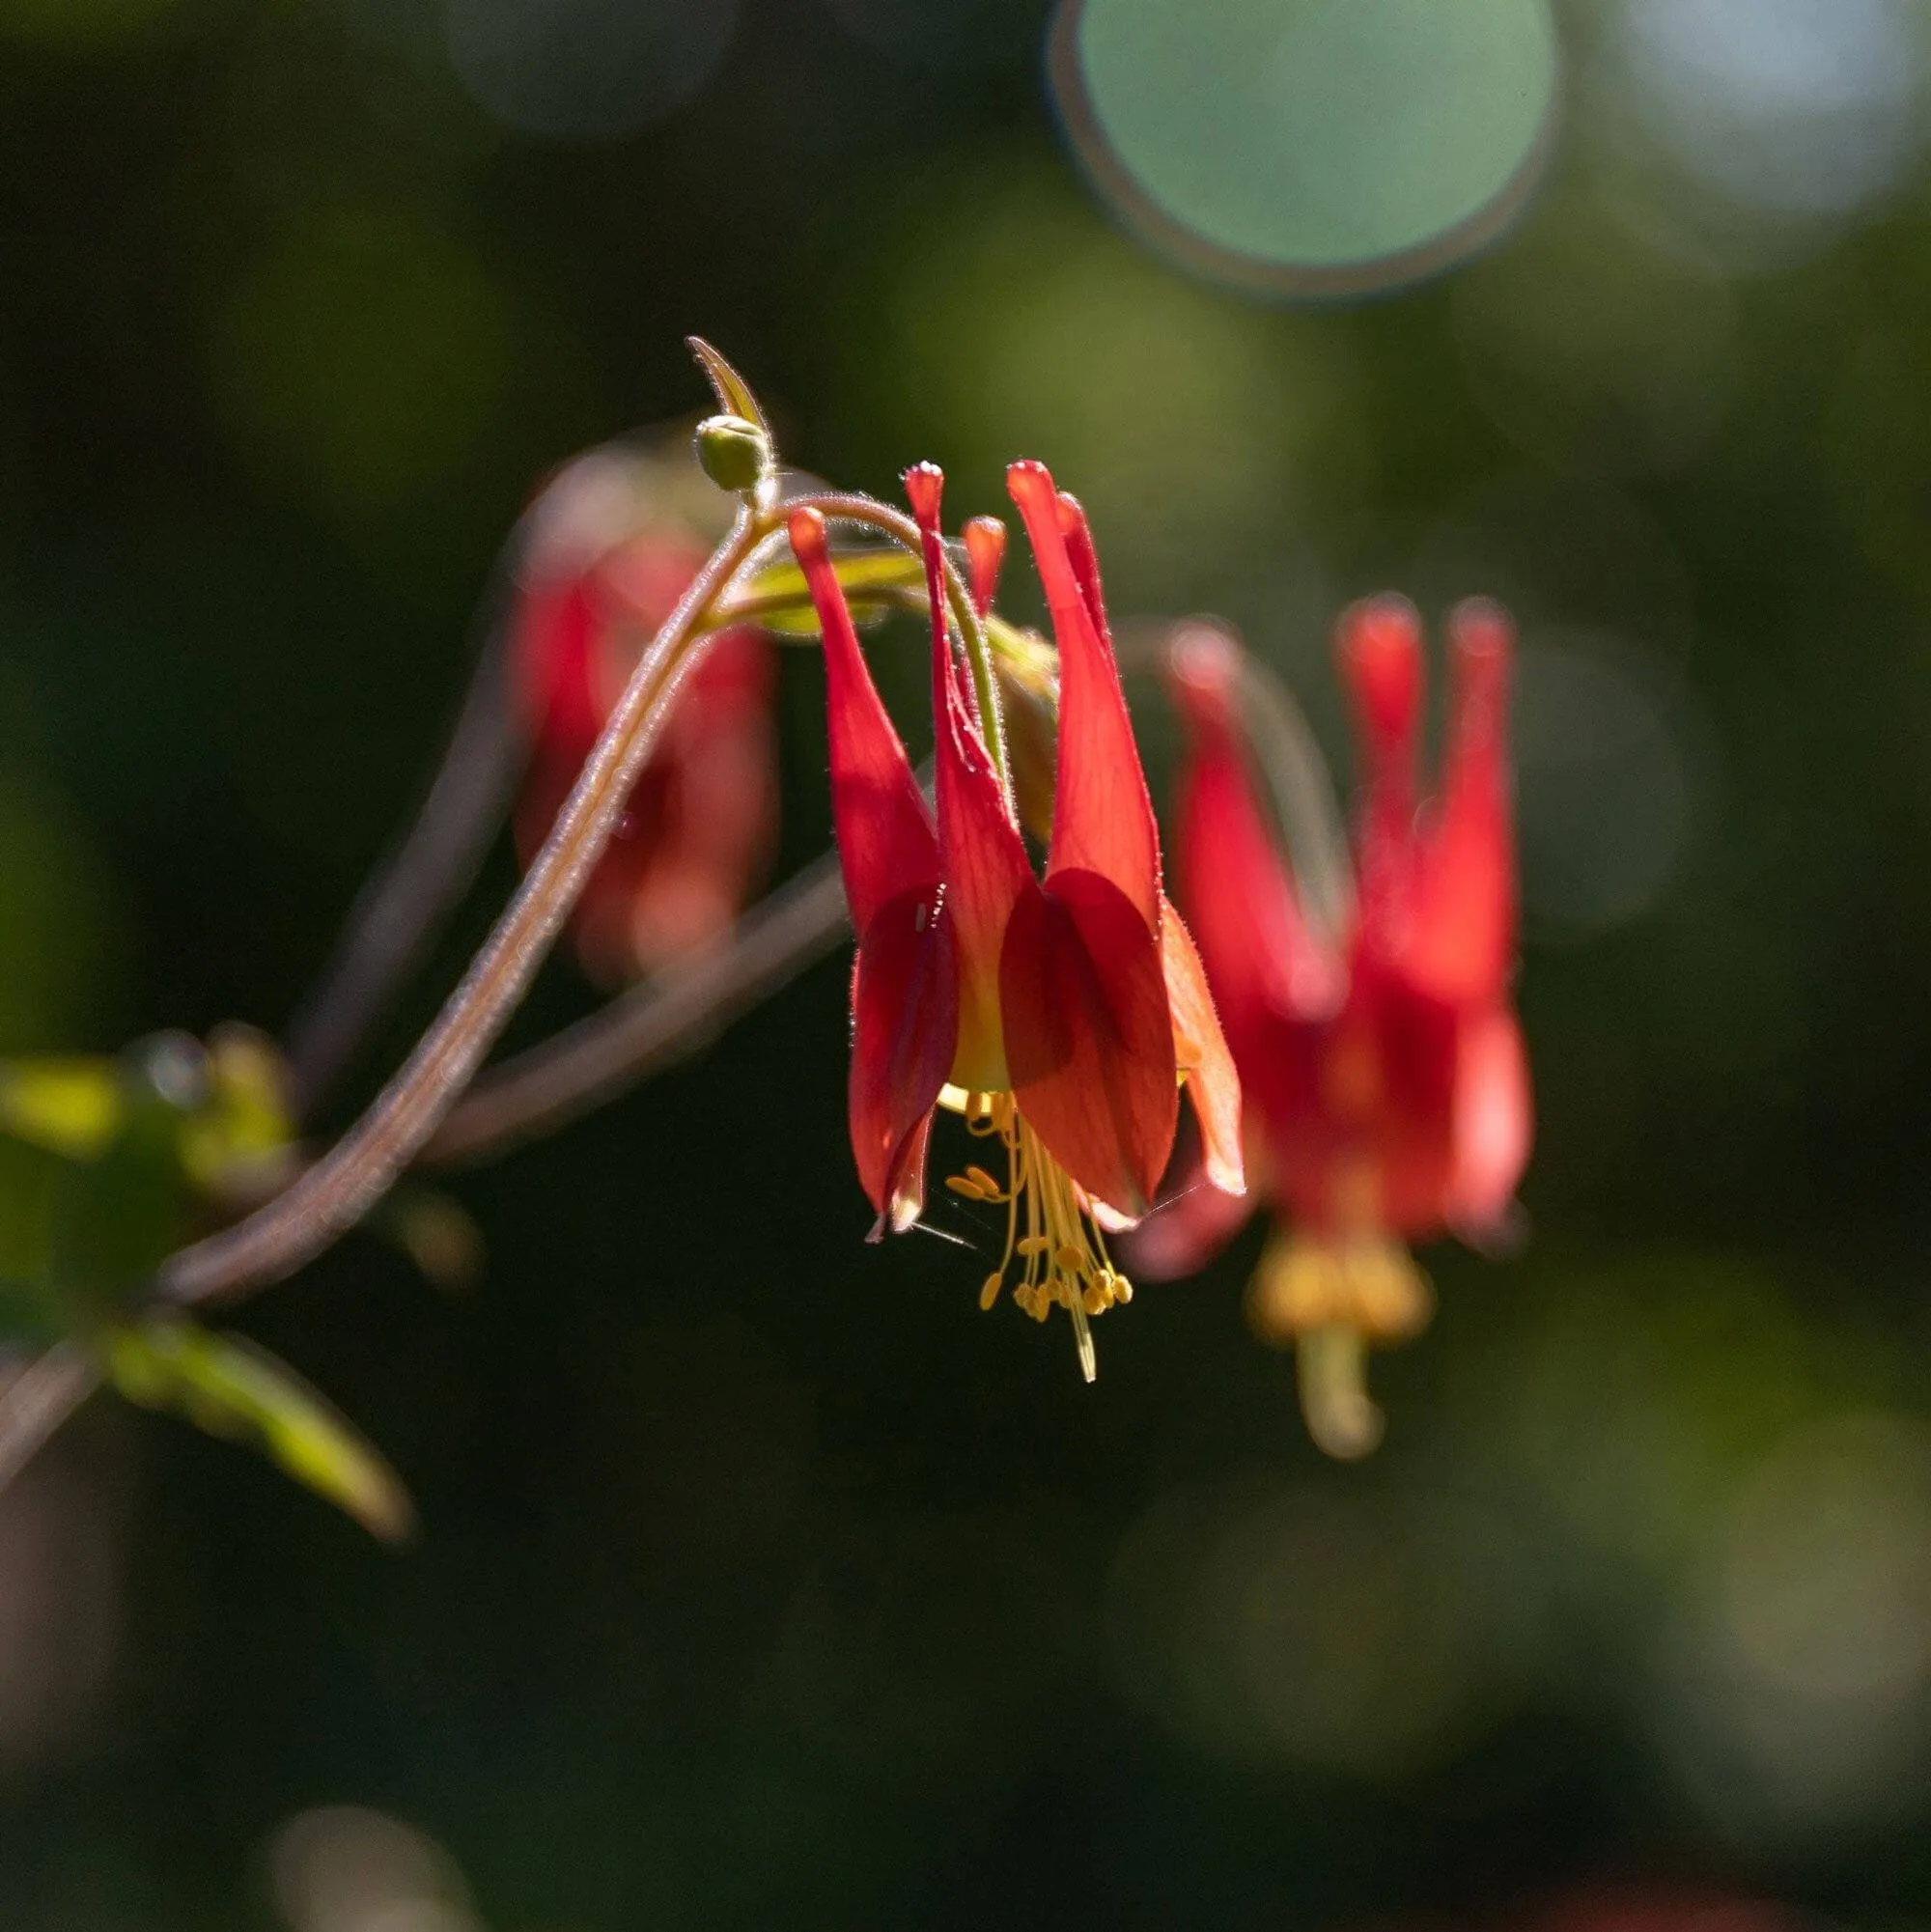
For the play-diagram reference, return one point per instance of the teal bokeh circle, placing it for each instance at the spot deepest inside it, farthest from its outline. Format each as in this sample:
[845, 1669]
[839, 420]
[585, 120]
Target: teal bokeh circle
[1310, 146]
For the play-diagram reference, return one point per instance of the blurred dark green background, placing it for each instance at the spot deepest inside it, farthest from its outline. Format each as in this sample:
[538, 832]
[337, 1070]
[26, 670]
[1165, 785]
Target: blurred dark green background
[762, 1581]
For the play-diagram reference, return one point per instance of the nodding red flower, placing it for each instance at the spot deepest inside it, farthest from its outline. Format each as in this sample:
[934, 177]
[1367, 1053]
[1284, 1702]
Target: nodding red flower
[1386, 1087]
[1060, 1017]
[701, 822]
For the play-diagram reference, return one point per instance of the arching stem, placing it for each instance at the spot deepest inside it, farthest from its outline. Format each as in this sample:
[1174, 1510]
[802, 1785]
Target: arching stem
[332, 1196]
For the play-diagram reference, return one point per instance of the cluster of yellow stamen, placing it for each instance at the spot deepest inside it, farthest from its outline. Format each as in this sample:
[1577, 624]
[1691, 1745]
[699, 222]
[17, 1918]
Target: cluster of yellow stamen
[1060, 1247]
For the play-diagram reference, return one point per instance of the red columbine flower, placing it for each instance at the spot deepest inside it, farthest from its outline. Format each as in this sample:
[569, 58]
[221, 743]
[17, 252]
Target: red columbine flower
[702, 818]
[1386, 1087]
[1060, 1017]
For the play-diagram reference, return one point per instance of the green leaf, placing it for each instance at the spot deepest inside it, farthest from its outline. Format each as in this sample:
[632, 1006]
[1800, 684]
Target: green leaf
[875, 581]
[72, 1108]
[230, 1387]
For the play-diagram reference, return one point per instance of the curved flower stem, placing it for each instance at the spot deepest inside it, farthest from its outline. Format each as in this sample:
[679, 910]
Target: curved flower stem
[333, 1194]
[1304, 796]
[397, 913]
[1289, 756]
[39, 1399]
[603, 1054]
[649, 1027]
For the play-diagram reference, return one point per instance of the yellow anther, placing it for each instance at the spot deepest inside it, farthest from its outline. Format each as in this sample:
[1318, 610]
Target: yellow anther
[1061, 1251]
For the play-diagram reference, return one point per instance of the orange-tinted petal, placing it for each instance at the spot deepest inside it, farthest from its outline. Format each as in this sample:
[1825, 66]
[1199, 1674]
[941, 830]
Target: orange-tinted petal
[1463, 946]
[985, 554]
[1205, 1066]
[905, 1024]
[1089, 1038]
[887, 842]
[1102, 819]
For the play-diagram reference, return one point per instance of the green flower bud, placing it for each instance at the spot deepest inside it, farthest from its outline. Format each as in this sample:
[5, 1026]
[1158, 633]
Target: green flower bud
[735, 454]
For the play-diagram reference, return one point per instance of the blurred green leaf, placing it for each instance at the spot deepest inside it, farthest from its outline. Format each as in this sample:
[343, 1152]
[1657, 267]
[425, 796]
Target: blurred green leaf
[229, 1387]
[72, 1108]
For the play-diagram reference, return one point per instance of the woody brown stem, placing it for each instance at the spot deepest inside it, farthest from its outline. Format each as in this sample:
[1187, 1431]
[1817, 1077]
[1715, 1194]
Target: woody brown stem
[339, 1189]
[649, 1027]
[398, 914]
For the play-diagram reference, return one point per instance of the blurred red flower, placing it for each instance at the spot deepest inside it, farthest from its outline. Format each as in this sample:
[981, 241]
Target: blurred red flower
[1386, 1087]
[701, 824]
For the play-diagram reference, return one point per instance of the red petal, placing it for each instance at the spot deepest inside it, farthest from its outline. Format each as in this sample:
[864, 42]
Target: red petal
[1493, 1119]
[1200, 1051]
[1102, 817]
[1380, 647]
[557, 618]
[1464, 941]
[1088, 1036]
[704, 837]
[886, 841]
[646, 576]
[1262, 958]
[1085, 562]
[904, 1024]
[983, 856]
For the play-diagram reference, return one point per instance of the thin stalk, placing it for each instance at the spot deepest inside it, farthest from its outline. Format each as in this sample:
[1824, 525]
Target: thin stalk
[1302, 791]
[396, 915]
[39, 1399]
[333, 1194]
[1289, 759]
[649, 1027]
